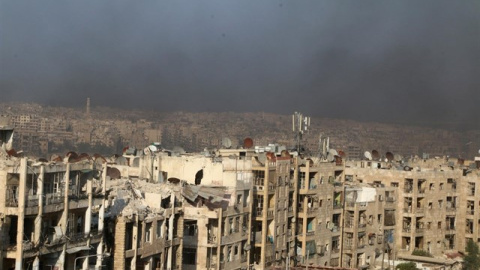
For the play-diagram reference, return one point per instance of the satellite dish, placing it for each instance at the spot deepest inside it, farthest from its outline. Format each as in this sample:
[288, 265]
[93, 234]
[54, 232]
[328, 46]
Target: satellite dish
[333, 152]
[375, 154]
[226, 142]
[397, 157]
[367, 155]
[248, 143]
[330, 157]
[341, 154]
[153, 148]
[262, 157]
[389, 156]
[178, 150]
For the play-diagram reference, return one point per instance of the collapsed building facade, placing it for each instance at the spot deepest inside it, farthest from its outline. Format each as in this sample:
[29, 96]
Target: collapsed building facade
[51, 212]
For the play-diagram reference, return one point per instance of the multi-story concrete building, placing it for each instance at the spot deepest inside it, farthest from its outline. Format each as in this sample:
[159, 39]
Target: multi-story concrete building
[273, 210]
[146, 222]
[51, 213]
[435, 209]
[217, 194]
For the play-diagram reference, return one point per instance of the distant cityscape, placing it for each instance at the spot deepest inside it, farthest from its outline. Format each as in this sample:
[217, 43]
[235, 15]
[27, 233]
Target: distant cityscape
[45, 130]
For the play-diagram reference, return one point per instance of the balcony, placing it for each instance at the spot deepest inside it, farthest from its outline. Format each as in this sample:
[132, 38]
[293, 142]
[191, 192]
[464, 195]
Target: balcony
[450, 229]
[337, 206]
[419, 230]
[406, 229]
[389, 199]
[451, 209]
[270, 212]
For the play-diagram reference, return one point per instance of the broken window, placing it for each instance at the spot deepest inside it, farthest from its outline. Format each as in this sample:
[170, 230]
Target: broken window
[159, 228]
[148, 232]
[190, 228]
[189, 256]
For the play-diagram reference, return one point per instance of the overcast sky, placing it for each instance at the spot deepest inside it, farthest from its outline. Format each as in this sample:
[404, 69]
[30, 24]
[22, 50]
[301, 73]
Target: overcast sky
[391, 61]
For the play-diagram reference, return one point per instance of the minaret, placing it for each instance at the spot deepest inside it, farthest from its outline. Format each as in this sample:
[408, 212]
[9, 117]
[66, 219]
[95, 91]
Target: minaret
[88, 107]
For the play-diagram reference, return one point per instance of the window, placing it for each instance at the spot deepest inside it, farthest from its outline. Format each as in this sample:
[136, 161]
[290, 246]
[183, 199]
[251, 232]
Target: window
[189, 256]
[159, 228]
[190, 228]
[439, 225]
[148, 232]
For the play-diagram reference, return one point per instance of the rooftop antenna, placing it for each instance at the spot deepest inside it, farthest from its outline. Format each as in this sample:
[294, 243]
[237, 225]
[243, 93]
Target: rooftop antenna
[300, 125]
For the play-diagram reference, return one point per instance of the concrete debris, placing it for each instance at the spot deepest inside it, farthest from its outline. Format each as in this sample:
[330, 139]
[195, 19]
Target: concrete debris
[212, 194]
[136, 197]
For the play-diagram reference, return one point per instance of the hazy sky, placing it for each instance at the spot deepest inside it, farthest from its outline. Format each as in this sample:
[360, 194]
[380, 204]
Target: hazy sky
[393, 61]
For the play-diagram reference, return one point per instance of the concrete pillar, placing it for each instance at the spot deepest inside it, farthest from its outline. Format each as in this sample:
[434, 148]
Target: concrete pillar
[119, 252]
[21, 214]
[170, 232]
[61, 260]
[101, 218]
[38, 219]
[133, 266]
[219, 237]
[36, 264]
[88, 212]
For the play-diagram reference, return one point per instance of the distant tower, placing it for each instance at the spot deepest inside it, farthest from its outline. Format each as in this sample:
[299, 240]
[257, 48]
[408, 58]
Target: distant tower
[88, 107]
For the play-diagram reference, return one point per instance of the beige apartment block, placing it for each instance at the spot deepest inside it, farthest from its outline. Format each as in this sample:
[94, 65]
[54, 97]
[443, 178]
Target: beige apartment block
[319, 213]
[436, 202]
[273, 210]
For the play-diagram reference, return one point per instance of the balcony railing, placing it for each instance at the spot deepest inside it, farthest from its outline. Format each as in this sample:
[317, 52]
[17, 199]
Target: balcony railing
[450, 228]
[451, 209]
[337, 205]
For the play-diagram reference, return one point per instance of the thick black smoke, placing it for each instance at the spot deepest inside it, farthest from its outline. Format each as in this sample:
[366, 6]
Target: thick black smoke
[411, 61]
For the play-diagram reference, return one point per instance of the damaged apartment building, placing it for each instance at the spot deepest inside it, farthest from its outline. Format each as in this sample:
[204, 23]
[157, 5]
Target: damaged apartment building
[211, 208]
[51, 212]
[145, 222]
